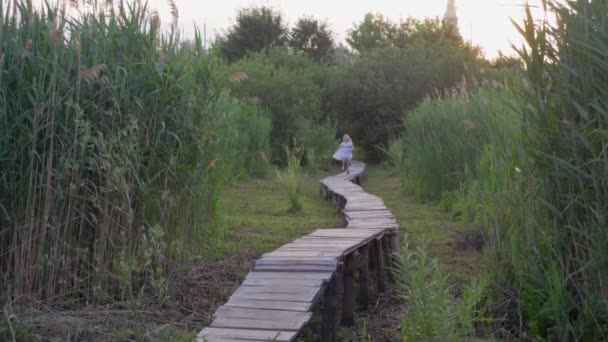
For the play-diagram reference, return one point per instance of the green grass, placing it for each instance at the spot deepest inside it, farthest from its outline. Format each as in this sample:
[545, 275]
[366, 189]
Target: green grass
[258, 217]
[425, 224]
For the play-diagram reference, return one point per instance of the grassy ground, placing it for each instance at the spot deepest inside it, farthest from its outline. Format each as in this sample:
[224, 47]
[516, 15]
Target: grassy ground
[258, 219]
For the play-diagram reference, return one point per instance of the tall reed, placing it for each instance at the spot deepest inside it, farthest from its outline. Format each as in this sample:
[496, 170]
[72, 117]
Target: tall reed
[108, 128]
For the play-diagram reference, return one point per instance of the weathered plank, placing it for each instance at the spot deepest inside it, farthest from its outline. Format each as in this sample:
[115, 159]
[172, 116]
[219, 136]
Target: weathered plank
[289, 297]
[269, 305]
[283, 281]
[231, 312]
[255, 335]
[294, 268]
[291, 275]
[282, 324]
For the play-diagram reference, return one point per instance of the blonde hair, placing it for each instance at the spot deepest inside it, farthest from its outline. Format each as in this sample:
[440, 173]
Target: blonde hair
[347, 138]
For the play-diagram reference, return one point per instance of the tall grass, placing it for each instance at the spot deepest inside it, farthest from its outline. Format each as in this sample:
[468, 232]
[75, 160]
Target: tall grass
[433, 315]
[537, 186]
[445, 139]
[110, 132]
[291, 178]
[564, 280]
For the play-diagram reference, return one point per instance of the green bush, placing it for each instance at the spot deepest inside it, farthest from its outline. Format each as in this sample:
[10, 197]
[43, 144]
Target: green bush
[368, 96]
[285, 85]
[319, 142]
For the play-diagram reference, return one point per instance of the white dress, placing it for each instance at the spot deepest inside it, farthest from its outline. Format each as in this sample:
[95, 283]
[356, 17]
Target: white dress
[345, 152]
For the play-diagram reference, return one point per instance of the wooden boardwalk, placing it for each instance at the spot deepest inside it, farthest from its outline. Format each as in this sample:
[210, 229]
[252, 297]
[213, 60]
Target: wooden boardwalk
[276, 299]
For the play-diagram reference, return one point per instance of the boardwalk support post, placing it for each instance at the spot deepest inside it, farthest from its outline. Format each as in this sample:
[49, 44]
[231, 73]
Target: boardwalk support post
[395, 247]
[379, 260]
[388, 256]
[330, 309]
[348, 296]
[364, 276]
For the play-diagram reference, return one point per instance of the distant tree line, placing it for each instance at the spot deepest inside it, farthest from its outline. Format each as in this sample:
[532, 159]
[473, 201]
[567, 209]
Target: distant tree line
[300, 73]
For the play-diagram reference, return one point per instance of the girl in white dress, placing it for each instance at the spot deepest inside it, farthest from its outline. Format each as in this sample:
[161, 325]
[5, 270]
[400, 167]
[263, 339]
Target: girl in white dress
[345, 152]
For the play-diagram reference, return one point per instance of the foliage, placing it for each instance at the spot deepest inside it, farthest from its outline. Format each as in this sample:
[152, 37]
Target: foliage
[313, 38]
[111, 137]
[319, 142]
[446, 137]
[368, 96]
[248, 152]
[566, 139]
[285, 85]
[374, 32]
[256, 29]
[291, 178]
[432, 314]
[538, 185]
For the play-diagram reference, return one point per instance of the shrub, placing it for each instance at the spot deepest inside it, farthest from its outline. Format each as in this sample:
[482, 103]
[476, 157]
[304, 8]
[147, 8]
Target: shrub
[291, 178]
[286, 86]
[319, 142]
[432, 314]
[368, 97]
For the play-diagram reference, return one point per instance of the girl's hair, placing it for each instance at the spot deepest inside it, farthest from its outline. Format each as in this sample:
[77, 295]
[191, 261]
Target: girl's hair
[347, 138]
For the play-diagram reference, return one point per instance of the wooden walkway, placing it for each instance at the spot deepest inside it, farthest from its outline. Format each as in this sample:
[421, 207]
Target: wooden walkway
[276, 299]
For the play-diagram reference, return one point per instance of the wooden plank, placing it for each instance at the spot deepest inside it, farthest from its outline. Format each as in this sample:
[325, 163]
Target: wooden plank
[315, 248]
[269, 305]
[303, 254]
[276, 261]
[278, 289]
[282, 324]
[314, 283]
[294, 268]
[255, 335]
[293, 275]
[222, 339]
[272, 297]
[230, 312]
[322, 240]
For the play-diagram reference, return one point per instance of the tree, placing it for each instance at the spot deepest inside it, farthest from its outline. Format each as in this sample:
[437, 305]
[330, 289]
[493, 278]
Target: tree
[427, 30]
[256, 29]
[374, 32]
[369, 96]
[313, 38]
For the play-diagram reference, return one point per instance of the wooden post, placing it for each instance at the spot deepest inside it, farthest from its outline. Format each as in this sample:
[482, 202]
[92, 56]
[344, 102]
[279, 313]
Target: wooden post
[348, 296]
[380, 281]
[364, 276]
[372, 256]
[328, 333]
[395, 247]
[388, 256]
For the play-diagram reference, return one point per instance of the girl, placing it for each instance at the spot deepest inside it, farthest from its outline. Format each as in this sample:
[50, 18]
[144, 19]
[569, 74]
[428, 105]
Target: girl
[345, 153]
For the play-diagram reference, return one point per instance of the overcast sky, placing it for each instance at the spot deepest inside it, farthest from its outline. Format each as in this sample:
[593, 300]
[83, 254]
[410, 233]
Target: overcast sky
[485, 22]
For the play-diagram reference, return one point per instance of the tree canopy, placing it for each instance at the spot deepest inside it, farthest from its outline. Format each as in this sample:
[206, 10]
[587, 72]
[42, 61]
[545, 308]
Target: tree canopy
[312, 38]
[256, 29]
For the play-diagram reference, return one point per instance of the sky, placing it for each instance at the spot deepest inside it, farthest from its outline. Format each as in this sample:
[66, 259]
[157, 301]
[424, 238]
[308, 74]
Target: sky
[484, 22]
